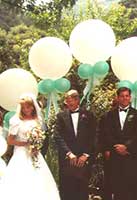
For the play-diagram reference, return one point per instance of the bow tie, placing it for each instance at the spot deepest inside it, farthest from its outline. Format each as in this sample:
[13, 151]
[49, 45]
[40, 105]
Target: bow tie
[121, 109]
[75, 111]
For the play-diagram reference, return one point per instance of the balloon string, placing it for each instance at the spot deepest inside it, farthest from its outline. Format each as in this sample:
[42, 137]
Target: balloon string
[85, 93]
[54, 101]
[47, 110]
[87, 89]
[91, 84]
[135, 100]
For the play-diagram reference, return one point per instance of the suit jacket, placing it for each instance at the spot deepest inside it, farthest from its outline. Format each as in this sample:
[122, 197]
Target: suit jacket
[113, 134]
[121, 170]
[65, 136]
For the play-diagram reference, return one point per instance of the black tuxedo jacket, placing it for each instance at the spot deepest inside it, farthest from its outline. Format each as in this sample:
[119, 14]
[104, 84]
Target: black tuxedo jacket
[111, 132]
[120, 170]
[65, 137]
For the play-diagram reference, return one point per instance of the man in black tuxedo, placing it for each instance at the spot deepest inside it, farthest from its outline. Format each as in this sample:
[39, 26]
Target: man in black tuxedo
[119, 144]
[75, 136]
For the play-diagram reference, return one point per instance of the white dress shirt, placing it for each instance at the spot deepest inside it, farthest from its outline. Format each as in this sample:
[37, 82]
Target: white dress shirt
[122, 116]
[75, 117]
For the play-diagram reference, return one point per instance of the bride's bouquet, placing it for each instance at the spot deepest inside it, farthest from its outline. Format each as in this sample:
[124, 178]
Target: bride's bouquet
[35, 138]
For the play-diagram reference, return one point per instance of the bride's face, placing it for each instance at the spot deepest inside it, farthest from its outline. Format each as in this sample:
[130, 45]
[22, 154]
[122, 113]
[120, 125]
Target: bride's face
[27, 109]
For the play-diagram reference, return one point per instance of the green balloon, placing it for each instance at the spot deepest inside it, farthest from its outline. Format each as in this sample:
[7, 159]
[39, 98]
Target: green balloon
[46, 86]
[101, 68]
[7, 118]
[125, 83]
[62, 84]
[85, 71]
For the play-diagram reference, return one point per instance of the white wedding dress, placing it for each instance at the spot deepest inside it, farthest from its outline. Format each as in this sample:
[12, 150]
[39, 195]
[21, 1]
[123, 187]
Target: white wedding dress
[22, 181]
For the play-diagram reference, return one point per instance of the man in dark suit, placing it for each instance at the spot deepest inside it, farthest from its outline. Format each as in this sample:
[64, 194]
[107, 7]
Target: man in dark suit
[75, 136]
[119, 144]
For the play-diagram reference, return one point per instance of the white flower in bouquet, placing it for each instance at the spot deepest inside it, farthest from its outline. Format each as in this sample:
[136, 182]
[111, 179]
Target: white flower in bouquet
[35, 138]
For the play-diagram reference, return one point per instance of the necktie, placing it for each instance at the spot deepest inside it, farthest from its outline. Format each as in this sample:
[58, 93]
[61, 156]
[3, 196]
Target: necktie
[121, 109]
[75, 111]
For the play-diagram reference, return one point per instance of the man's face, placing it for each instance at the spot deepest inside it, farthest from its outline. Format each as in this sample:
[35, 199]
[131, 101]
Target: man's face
[72, 103]
[124, 98]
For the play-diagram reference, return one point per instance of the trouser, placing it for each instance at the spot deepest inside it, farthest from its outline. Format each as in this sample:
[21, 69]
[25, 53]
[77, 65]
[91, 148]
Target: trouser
[72, 188]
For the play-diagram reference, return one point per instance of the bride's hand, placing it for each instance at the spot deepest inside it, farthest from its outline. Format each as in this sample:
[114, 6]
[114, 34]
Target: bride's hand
[23, 143]
[27, 143]
[12, 140]
[34, 152]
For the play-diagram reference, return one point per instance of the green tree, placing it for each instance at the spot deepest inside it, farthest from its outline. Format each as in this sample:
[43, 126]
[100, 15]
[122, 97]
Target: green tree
[129, 3]
[132, 4]
[48, 15]
[11, 13]
[118, 17]
[15, 46]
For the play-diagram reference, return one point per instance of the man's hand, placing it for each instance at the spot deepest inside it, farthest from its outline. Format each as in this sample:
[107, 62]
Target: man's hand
[72, 158]
[73, 161]
[107, 155]
[81, 160]
[121, 149]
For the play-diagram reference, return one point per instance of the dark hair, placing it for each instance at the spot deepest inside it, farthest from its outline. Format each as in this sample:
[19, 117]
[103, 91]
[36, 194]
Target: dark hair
[123, 89]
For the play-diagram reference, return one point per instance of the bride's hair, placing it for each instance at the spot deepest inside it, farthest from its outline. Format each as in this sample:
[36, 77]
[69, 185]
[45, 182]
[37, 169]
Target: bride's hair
[28, 101]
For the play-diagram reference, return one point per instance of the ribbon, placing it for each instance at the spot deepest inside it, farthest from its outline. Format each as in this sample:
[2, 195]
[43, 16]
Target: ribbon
[91, 83]
[51, 100]
[134, 100]
[88, 89]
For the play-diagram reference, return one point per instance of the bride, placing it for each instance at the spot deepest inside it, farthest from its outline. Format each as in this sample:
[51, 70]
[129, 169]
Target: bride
[27, 175]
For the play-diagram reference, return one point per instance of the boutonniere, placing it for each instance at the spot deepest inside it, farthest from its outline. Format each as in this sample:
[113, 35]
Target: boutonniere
[83, 116]
[130, 117]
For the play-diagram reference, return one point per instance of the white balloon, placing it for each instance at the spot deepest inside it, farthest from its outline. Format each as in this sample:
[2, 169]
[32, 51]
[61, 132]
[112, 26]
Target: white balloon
[91, 41]
[124, 60]
[50, 57]
[3, 145]
[13, 83]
